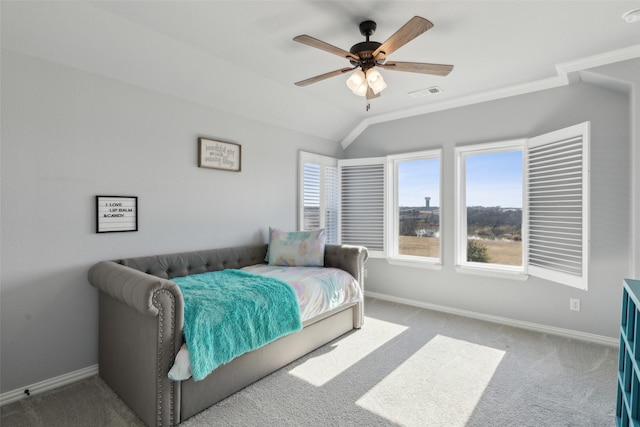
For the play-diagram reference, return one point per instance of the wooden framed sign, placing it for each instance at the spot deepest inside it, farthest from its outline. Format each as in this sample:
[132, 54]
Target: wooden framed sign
[116, 213]
[219, 155]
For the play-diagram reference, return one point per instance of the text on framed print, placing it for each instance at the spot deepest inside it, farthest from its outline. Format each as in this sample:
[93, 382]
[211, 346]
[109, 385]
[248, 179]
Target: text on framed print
[219, 155]
[116, 213]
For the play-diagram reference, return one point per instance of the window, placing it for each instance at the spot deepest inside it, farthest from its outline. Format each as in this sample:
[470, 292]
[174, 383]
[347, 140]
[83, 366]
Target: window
[490, 206]
[318, 195]
[522, 206]
[414, 213]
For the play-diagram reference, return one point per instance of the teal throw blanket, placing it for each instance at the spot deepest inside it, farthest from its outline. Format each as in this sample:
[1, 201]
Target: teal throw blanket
[230, 312]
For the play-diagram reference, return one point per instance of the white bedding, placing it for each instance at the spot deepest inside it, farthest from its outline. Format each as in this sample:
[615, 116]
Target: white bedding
[318, 289]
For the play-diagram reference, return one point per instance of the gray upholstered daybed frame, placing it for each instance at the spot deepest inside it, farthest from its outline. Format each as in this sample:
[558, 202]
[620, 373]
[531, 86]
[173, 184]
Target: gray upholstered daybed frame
[141, 320]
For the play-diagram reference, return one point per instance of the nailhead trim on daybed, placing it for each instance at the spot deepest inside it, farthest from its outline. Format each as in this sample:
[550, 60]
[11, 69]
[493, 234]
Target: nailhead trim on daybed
[160, 377]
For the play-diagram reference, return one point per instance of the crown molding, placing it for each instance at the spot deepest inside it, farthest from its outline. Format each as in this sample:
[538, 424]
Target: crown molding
[563, 70]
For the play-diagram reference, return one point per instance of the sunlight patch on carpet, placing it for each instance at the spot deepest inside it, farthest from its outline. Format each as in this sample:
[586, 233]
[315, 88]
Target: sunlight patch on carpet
[347, 352]
[439, 385]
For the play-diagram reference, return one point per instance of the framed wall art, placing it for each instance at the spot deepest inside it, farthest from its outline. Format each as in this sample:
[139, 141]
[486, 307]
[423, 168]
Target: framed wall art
[219, 155]
[116, 213]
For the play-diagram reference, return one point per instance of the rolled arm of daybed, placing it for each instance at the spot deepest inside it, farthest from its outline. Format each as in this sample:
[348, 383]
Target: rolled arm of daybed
[350, 259]
[132, 287]
[141, 320]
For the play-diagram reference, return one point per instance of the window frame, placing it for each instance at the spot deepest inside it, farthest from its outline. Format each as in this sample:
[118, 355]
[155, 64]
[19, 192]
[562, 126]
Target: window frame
[461, 152]
[393, 215]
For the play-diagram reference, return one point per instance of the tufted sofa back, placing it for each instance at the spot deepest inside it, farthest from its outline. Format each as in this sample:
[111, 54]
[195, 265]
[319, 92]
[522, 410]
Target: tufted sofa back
[348, 258]
[196, 262]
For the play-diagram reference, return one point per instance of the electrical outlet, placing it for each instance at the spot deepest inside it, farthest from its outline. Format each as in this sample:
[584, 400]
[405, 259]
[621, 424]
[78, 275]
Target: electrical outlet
[574, 304]
[365, 273]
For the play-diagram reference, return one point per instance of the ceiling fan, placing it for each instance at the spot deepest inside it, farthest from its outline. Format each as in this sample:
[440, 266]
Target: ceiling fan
[366, 55]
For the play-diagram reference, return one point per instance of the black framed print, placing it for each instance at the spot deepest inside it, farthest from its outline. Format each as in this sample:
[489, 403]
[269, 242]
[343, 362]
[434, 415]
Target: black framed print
[116, 214]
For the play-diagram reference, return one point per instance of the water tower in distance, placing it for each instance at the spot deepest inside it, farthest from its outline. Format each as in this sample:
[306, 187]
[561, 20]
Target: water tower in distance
[426, 202]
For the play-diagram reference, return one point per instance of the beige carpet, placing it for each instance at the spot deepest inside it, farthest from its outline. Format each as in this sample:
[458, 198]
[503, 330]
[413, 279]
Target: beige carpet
[406, 367]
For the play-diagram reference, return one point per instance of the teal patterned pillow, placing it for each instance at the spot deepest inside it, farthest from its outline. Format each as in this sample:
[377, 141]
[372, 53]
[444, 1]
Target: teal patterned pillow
[297, 248]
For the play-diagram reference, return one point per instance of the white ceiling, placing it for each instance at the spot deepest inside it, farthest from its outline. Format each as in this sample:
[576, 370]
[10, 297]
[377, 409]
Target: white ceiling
[239, 55]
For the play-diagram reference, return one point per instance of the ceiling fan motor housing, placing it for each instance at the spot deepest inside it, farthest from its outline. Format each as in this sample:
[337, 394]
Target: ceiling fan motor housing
[364, 50]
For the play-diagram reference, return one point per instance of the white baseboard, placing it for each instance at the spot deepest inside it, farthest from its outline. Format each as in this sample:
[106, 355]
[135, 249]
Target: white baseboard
[568, 333]
[50, 384]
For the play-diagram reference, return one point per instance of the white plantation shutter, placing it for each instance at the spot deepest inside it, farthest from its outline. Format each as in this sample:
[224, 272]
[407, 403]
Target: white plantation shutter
[319, 195]
[311, 197]
[362, 207]
[557, 202]
[332, 200]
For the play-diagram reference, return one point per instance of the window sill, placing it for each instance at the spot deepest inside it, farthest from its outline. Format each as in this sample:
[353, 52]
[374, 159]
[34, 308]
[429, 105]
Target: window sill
[415, 263]
[502, 274]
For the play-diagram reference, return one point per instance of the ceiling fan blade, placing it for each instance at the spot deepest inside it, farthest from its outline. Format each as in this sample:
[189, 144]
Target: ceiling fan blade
[323, 76]
[409, 31]
[319, 44]
[418, 67]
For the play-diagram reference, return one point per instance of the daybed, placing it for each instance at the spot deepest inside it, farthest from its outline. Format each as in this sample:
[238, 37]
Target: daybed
[141, 323]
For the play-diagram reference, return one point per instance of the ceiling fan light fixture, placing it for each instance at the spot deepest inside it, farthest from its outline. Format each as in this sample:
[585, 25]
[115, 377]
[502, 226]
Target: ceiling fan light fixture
[356, 80]
[375, 81]
[361, 90]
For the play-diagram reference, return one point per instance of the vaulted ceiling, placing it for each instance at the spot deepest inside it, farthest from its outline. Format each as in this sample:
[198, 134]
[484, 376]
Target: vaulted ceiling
[239, 56]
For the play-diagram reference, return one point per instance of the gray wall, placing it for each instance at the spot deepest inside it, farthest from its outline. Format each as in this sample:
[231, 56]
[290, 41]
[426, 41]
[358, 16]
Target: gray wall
[535, 300]
[627, 74]
[68, 136]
